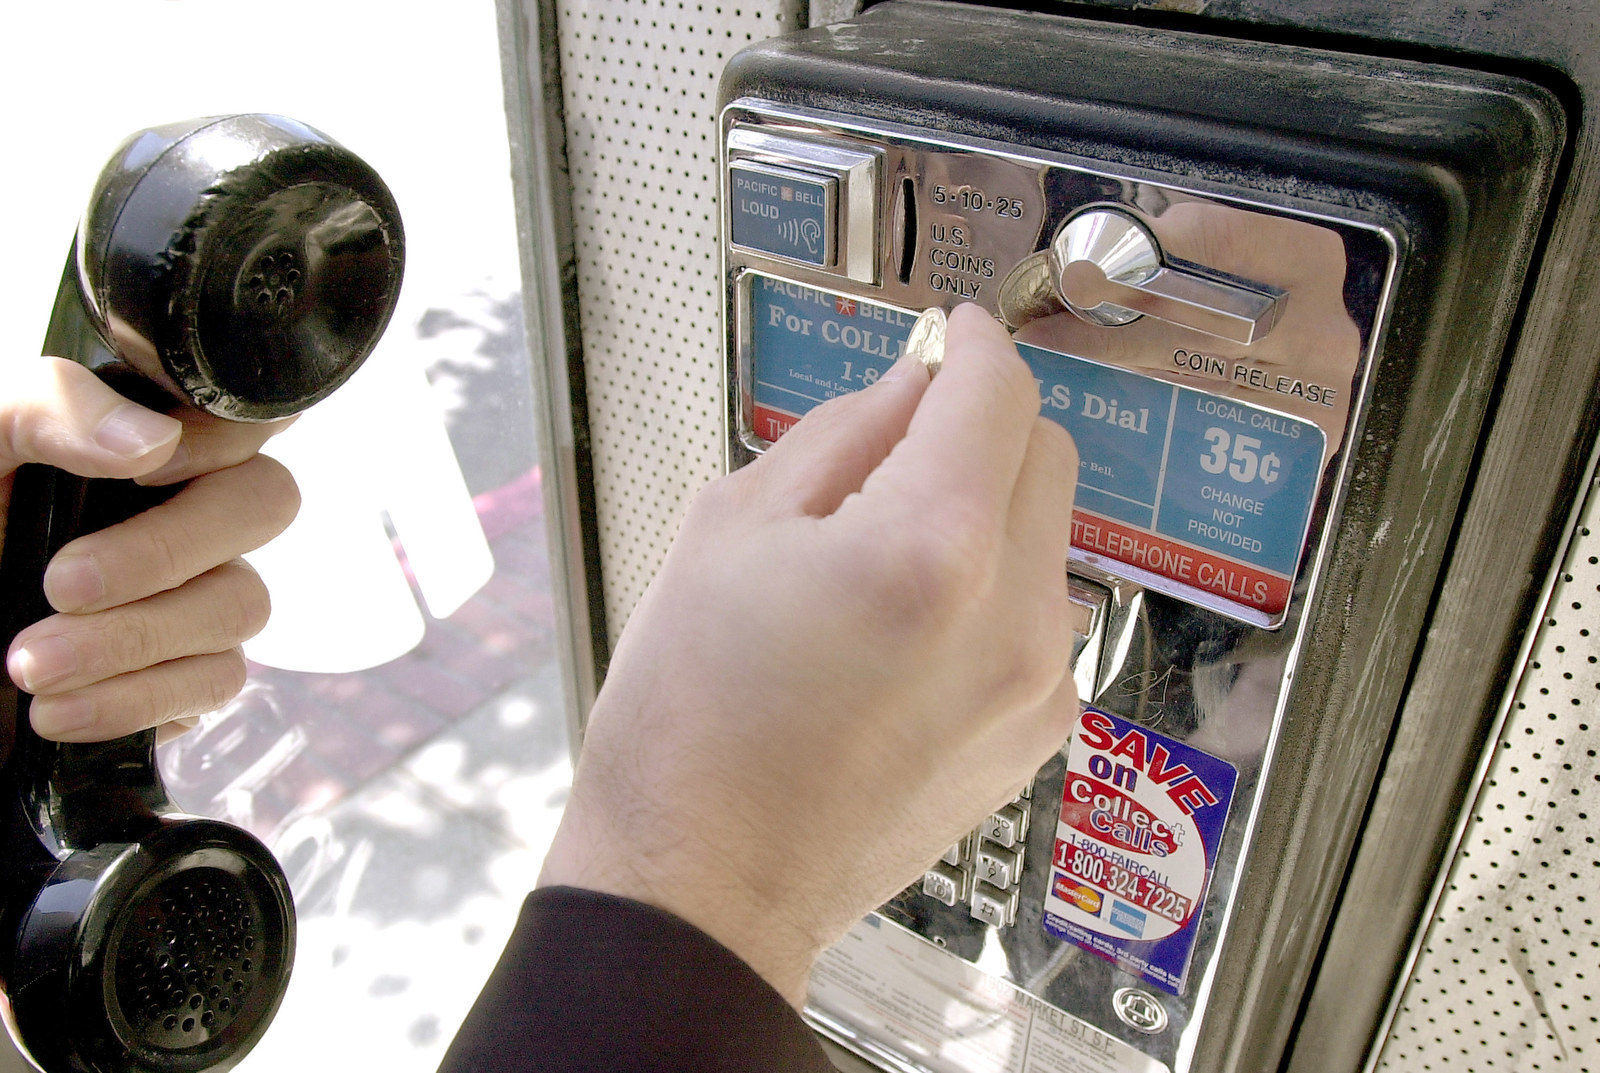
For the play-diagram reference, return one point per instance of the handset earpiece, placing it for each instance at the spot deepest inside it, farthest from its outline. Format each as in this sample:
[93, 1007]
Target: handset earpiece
[247, 265]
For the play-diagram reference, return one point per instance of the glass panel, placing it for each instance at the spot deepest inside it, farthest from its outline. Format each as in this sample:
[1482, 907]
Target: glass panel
[411, 799]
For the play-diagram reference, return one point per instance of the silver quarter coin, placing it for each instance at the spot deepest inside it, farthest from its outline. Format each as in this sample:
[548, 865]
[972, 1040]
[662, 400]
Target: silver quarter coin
[927, 339]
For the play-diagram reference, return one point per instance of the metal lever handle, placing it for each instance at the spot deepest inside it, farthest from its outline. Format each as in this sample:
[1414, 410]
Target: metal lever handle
[1109, 270]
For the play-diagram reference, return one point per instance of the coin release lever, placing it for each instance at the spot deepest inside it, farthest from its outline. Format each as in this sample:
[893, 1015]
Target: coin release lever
[1109, 270]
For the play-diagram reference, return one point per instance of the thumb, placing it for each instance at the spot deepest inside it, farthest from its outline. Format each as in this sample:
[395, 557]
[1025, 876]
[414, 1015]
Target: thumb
[58, 412]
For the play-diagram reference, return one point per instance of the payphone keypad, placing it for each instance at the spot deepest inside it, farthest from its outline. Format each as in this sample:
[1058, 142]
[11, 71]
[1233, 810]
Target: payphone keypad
[984, 869]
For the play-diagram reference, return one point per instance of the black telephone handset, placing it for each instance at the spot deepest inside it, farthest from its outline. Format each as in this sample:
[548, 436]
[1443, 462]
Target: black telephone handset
[246, 264]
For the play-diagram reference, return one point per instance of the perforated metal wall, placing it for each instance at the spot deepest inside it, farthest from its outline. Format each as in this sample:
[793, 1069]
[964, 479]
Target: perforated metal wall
[640, 80]
[1509, 975]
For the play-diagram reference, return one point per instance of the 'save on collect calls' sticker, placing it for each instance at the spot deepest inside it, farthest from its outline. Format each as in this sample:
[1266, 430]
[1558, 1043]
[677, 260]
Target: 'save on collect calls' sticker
[1141, 819]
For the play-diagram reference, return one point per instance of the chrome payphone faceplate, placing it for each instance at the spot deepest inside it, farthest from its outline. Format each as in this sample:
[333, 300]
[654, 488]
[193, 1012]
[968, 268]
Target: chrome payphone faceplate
[1210, 469]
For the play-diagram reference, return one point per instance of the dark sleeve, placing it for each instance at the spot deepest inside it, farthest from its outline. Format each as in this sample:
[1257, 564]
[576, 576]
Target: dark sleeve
[591, 983]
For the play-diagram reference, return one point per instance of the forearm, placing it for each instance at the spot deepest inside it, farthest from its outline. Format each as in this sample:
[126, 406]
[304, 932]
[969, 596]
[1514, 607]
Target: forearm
[591, 982]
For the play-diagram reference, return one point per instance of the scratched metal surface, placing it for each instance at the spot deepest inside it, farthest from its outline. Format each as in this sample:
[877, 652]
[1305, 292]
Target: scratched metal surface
[1508, 976]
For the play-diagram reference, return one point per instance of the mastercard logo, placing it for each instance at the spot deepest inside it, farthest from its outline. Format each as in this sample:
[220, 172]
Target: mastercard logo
[1085, 898]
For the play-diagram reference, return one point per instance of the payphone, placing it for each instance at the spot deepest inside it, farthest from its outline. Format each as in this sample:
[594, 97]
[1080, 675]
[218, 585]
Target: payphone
[1267, 289]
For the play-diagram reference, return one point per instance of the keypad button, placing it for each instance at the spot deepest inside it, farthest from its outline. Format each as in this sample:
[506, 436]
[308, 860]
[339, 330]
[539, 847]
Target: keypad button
[1006, 827]
[994, 906]
[944, 884]
[997, 865]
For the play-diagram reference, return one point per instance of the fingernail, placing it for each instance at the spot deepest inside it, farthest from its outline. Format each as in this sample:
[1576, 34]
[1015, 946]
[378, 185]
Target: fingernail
[73, 582]
[131, 431]
[169, 469]
[61, 717]
[902, 368]
[43, 662]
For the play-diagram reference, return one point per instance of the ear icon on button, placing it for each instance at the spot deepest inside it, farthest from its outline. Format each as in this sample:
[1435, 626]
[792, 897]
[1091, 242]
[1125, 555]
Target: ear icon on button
[811, 235]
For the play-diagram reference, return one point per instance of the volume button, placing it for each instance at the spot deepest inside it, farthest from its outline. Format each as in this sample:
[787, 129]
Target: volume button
[805, 197]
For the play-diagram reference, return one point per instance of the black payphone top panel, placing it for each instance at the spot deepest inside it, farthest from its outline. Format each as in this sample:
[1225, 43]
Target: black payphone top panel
[1305, 123]
[1444, 157]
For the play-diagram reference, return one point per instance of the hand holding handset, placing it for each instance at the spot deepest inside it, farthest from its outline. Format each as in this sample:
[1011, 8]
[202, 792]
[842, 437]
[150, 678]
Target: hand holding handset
[247, 265]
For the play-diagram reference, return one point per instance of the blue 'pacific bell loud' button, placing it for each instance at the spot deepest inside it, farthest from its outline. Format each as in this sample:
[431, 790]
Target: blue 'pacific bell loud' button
[783, 213]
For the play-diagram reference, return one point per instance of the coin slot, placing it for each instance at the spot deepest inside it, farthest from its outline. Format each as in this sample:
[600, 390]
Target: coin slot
[908, 228]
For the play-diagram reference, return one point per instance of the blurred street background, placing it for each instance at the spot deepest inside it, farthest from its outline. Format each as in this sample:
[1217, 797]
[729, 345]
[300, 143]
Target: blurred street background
[411, 801]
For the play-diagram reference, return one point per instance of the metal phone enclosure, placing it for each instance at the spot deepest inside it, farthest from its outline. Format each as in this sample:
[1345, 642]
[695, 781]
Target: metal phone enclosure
[1239, 274]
